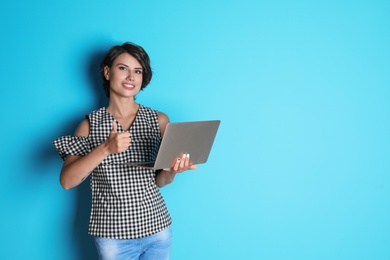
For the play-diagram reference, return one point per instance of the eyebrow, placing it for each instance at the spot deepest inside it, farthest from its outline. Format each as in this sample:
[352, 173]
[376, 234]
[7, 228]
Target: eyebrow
[122, 64]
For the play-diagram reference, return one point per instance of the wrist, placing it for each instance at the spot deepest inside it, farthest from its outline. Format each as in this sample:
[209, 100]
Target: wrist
[169, 175]
[105, 149]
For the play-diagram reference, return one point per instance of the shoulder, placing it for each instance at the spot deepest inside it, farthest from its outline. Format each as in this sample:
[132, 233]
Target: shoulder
[98, 116]
[98, 113]
[151, 113]
[91, 119]
[83, 128]
[163, 120]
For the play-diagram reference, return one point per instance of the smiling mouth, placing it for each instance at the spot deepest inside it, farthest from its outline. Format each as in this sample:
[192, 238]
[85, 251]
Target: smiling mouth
[128, 86]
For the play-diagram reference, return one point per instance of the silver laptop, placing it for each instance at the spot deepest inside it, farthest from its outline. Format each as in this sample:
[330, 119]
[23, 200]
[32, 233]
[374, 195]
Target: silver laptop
[194, 138]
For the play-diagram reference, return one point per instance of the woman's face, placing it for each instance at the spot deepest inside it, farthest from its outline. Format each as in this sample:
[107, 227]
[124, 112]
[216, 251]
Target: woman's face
[125, 76]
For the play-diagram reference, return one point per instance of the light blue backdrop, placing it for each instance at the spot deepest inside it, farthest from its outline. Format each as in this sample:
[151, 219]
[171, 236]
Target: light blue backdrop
[300, 167]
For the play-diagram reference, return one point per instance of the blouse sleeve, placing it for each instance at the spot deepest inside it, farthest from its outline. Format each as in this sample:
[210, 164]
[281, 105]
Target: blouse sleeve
[74, 145]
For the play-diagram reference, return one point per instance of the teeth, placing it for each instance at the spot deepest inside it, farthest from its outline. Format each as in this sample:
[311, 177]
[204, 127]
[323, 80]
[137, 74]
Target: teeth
[128, 86]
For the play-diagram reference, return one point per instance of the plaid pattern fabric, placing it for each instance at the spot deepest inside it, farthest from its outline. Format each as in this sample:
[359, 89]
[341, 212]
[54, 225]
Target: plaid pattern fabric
[126, 203]
[75, 145]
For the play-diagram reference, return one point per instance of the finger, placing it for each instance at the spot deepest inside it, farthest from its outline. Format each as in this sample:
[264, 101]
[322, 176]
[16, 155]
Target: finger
[187, 160]
[114, 127]
[123, 141]
[124, 135]
[193, 167]
[183, 161]
[177, 164]
[126, 138]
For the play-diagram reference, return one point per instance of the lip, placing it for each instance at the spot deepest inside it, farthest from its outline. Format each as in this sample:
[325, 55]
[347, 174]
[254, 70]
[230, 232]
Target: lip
[128, 86]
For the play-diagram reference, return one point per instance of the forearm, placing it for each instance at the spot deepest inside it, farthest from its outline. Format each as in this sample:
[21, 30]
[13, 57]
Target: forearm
[164, 178]
[77, 168]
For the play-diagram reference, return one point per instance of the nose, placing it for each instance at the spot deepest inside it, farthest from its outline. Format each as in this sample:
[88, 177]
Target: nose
[130, 76]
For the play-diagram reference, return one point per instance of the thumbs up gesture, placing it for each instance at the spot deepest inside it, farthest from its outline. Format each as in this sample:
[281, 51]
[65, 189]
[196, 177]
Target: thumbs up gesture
[117, 142]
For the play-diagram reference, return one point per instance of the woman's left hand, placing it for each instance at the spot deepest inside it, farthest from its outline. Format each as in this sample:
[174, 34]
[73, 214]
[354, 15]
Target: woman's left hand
[182, 164]
[167, 175]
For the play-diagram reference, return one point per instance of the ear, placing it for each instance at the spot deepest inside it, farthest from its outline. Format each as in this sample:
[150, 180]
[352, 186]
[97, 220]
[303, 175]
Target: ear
[107, 72]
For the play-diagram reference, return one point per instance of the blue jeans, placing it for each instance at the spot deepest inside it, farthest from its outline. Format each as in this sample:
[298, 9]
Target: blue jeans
[157, 246]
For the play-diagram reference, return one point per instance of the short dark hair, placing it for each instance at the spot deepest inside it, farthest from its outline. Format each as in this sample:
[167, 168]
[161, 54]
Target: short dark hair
[134, 50]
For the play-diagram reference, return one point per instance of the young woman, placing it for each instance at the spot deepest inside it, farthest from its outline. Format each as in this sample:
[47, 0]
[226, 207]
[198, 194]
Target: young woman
[129, 218]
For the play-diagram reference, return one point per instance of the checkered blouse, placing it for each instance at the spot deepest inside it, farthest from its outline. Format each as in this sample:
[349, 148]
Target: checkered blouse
[126, 203]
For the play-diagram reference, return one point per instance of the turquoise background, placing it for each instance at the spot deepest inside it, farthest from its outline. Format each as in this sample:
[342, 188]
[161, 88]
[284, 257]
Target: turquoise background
[300, 167]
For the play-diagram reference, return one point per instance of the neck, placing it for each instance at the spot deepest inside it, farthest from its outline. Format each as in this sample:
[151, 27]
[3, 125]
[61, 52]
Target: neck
[122, 108]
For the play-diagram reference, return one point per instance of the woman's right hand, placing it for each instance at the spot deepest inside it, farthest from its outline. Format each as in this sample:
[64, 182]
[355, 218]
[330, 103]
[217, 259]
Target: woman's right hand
[77, 168]
[117, 142]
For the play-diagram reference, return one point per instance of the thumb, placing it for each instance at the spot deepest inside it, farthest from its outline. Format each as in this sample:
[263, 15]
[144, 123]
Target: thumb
[114, 127]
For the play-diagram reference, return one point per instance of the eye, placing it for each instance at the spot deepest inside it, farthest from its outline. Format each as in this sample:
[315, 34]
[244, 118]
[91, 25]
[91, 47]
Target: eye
[138, 71]
[122, 68]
